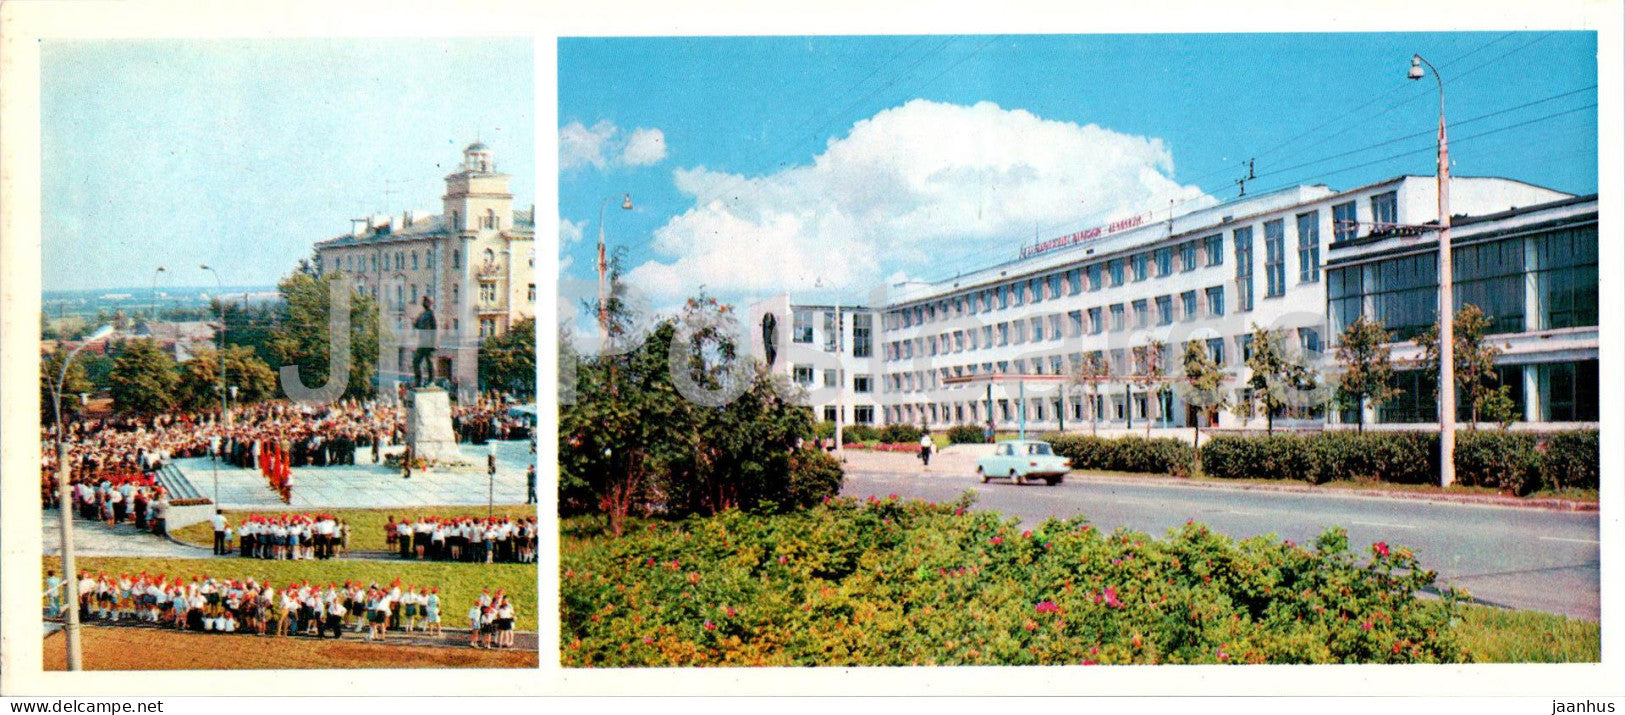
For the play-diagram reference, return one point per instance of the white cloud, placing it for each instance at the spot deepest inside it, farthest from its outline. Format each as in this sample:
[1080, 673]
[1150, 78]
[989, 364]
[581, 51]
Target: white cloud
[580, 145]
[604, 144]
[923, 189]
[644, 146]
[570, 232]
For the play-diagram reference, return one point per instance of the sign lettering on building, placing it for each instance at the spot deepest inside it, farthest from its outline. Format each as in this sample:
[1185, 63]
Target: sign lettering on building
[1088, 234]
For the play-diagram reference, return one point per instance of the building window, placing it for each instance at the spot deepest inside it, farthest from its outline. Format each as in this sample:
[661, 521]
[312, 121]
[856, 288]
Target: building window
[1018, 292]
[1076, 318]
[829, 413]
[1094, 276]
[1187, 304]
[1165, 262]
[1117, 317]
[455, 298]
[1491, 276]
[1215, 301]
[488, 327]
[414, 260]
[530, 292]
[1568, 391]
[1243, 240]
[1404, 293]
[832, 378]
[456, 258]
[1213, 246]
[1274, 258]
[1309, 247]
[1139, 261]
[1415, 402]
[1141, 313]
[1565, 278]
[1095, 325]
[1215, 349]
[862, 335]
[1345, 222]
[1055, 327]
[1074, 280]
[1038, 329]
[1003, 292]
[803, 374]
[1385, 210]
[863, 414]
[1165, 310]
[1004, 334]
[1115, 268]
[1187, 256]
[1244, 343]
[1055, 286]
[1309, 340]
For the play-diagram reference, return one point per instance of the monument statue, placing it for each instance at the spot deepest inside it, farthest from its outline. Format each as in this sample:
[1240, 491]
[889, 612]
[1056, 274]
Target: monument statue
[424, 328]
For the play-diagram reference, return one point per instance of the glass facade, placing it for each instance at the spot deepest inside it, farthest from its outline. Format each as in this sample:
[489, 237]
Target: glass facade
[1563, 265]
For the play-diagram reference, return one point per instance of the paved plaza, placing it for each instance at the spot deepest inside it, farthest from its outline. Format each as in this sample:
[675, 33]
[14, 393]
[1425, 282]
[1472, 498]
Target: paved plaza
[367, 485]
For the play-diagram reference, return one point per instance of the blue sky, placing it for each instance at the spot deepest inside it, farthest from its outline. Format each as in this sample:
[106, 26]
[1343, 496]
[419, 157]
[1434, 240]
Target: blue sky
[785, 162]
[242, 153]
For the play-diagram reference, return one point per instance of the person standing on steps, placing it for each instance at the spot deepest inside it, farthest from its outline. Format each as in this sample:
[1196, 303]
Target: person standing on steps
[925, 449]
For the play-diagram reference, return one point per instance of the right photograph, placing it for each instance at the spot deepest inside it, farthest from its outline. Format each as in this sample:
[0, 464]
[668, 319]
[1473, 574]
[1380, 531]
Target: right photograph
[1133, 349]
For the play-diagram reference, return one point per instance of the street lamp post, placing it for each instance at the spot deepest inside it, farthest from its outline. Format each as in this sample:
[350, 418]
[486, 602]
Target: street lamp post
[154, 294]
[603, 271]
[1447, 321]
[221, 299]
[70, 572]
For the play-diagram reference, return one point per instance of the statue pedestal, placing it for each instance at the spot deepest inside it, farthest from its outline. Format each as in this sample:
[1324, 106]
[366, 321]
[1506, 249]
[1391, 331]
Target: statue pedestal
[428, 426]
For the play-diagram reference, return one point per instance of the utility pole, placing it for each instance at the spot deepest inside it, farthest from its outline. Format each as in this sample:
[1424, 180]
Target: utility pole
[1447, 318]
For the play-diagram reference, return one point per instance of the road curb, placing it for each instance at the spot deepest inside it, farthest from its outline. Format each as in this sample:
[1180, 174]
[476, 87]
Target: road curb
[1565, 505]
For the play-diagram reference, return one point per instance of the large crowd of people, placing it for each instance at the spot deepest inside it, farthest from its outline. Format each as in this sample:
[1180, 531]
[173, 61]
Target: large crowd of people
[282, 537]
[468, 539]
[251, 606]
[137, 499]
[133, 447]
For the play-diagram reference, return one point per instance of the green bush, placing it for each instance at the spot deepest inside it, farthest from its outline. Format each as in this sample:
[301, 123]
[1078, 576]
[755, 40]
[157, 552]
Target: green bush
[965, 434]
[1163, 455]
[1571, 460]
[887, 582]
[814, 476]
[1499, 460]
[899, 433]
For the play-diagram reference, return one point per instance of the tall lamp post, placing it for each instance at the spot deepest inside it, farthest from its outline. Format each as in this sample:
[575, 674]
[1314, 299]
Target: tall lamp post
[1447, 319]
[154, 294]
[221, 299]
[603, 271]
[70, 572]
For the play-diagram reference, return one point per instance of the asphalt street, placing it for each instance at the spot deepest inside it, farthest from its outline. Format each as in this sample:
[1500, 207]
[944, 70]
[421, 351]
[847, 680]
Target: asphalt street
[1515, 557]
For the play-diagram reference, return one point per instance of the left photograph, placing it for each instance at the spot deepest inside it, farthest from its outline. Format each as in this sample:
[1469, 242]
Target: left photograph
[287, 354]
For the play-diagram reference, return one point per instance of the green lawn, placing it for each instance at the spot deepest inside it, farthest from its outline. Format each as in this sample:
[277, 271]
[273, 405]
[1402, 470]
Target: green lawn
[459, 584]
[366, 525]
[1496, 635]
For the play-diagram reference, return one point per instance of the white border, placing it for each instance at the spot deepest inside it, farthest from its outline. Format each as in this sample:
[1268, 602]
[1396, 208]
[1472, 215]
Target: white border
[21, 25]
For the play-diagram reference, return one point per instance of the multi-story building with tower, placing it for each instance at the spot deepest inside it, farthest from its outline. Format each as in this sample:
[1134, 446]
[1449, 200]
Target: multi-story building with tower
[476, 260]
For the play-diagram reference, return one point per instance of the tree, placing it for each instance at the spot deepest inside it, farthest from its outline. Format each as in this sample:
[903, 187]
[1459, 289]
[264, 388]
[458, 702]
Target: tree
[1148, 373]
[1478, 385]
[200, 378]
[302, 338]
[1275, 374]
[1091, 372]
[1203, 388]
[78, 381]
[144, 380]
[508, 361]
[1368, 372]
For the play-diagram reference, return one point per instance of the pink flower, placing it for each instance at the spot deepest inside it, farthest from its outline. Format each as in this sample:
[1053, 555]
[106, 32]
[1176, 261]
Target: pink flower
[1366, 626]
[1381, 548]
[784, 559]
[651, 561]
[1086, 661]
[710, 626]
[996, 540]
[648, 641]
[892, 496]
[959, 512]
[1111, 598]
[1223, 655]
[1048, 607]
[1028, 534]
[730, 611]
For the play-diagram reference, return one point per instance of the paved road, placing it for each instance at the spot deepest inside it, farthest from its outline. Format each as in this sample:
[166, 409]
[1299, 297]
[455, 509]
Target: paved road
[1516, 557]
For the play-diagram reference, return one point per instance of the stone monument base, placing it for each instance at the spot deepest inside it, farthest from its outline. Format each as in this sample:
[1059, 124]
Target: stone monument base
[428, 427]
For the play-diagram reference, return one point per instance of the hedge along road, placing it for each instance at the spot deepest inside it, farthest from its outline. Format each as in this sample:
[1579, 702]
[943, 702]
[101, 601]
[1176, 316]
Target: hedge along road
[1508, 556]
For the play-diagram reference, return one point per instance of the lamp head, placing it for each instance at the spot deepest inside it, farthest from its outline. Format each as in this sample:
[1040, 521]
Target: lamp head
[161, 269]
[1416, 67]
[205, 267]
[626, 203]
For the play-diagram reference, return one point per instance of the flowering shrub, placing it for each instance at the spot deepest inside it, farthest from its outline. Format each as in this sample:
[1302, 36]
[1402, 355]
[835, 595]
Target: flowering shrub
[891, 582]
[966, 434]
[884, 447]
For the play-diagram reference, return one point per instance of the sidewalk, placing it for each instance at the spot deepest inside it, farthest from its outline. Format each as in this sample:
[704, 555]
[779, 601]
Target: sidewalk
[959, 462]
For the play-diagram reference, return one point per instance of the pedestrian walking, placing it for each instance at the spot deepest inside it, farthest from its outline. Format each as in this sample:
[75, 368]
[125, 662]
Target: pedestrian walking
[925, 449]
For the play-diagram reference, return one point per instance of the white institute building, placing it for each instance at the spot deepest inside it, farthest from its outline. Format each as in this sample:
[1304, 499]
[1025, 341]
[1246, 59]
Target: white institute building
[1305, 260]
[476, 259]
